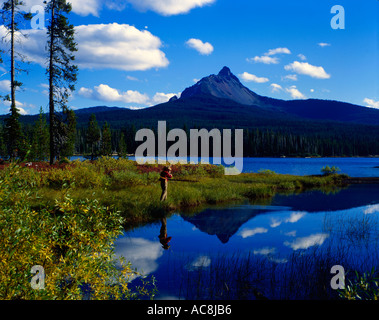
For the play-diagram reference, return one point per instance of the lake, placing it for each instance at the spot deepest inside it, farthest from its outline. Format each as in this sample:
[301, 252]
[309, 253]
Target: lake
[281, 249]
[354, 167]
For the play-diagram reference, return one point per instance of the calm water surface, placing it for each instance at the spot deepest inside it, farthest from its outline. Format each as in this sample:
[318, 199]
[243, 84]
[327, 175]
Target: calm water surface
[354, 167]
[342, 226]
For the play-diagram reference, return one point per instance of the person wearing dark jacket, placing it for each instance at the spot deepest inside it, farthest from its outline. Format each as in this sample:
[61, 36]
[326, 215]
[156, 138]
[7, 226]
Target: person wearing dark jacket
[165, 175]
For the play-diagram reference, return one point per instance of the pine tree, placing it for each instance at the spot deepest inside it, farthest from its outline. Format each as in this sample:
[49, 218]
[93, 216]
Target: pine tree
[122, 149]
[61, 71]
[106, 140]
[93, 136]
[40, 143]
[68, 147]
[12, 17]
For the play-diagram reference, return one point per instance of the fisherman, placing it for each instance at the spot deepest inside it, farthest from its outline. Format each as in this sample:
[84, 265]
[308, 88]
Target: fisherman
[163, 239]
[165, 175]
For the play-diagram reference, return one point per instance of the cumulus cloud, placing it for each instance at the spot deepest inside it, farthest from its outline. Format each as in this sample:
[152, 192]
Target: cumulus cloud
[142, 253]
[265, 251]
[302, 57]
[307, 242]
[267, 57]
[371, 103]
[5, 86]
[169, 7]
[163, 7]
[161, 97]
[245, 233]
[295, 93]
[264, 59]
[80, 7]
[307, 69]
[204, 48]
[104, 92]
[294, 217]
[373, 208]
[275, 87]
[104, 46]
[272, 52]
[324, 44]
[292, 77]
[248, 77]
[199, 262]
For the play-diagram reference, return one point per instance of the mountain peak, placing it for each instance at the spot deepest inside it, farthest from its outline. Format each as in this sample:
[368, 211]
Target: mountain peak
[225, 85]
[225, 71]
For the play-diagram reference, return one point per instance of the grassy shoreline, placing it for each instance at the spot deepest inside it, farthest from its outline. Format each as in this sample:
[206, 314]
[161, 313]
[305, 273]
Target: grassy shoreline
[67, 217]
[134, 190]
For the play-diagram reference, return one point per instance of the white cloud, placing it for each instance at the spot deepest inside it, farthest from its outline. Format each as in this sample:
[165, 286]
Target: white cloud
[371, 103]
[200, 262]
[204, 48]
[324, 44]
[294, 217]
[248, 77]
[245, 233]
[163, 7]
[169, 7]
[275, 87]
[272, 52]
[373, 208]
[264, 59]
[307, 242]
[302, 57]
[142, 253]
[80, 7]
[265, 251]
[292, 77]
[161, 97]
[307, 69]
[19, 105]
[131, 78]
[104, 92]
[5, 86]
[104, 46]
[295, 93]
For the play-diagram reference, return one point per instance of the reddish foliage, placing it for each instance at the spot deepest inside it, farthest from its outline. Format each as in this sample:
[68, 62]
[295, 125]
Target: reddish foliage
[38, 166]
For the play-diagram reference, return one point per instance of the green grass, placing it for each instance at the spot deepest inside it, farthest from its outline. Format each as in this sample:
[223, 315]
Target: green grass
[135, 191]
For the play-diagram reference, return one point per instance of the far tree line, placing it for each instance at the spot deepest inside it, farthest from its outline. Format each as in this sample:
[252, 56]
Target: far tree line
[61, 74]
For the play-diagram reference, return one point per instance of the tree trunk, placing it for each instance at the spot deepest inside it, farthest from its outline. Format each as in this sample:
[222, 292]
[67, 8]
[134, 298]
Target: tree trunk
[51, 88]
[13, 77]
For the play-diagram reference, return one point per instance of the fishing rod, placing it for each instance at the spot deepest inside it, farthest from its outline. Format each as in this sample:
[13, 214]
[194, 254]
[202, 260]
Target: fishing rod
[177, 180]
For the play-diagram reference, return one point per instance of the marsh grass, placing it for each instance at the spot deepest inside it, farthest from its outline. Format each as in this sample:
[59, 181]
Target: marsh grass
[303, 275]
[134, 190]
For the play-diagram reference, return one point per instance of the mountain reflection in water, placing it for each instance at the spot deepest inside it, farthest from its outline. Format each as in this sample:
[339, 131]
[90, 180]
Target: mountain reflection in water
[300, 236]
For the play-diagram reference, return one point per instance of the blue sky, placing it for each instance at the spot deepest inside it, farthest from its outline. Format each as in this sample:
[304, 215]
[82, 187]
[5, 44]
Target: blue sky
[137, 53]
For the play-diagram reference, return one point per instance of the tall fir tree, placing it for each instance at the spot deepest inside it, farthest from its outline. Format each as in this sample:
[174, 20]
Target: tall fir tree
[40, 142]
[93, 136]
[13, 17]
[68, 148]
[122, 148]
[61, 71]
[106, 140]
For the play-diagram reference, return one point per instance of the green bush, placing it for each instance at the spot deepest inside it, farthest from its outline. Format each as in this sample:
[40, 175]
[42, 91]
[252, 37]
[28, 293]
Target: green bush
[73, 241]
[328, 171]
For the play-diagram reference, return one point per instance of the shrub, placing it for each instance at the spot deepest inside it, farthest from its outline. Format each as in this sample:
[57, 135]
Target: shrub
[328, 171]
[73, 241]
